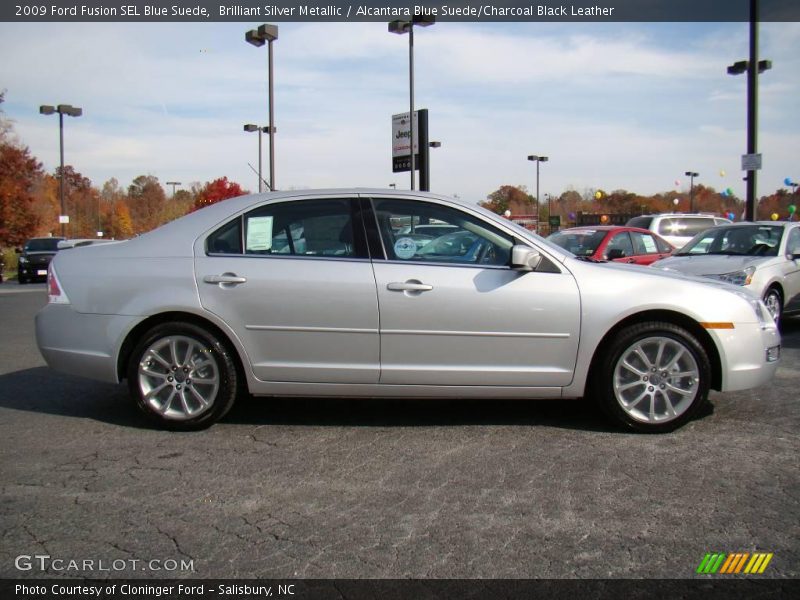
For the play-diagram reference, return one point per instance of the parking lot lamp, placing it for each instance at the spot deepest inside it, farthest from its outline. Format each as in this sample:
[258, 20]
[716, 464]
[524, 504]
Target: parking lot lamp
[537, 160]
[250, 127]
[691, 175]
[72, 111]
[266, 34]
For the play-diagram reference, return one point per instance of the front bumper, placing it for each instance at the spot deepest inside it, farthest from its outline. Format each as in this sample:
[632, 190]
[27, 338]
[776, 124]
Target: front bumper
[748, 355]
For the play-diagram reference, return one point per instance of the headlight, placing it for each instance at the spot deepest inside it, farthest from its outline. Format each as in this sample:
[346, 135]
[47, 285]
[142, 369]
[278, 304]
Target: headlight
[743, 277]
[764, 318]
[22, 260]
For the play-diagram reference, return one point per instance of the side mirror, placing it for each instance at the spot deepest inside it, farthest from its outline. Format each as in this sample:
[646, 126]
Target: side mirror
[615, 253]
[525, 258]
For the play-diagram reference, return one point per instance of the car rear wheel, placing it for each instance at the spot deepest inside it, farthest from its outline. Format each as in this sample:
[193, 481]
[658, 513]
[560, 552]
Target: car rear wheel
[654, 377]
[182, 376]
[774, 302]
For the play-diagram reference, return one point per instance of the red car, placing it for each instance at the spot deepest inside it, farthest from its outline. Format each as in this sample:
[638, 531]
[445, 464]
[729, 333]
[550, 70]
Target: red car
[613, 242]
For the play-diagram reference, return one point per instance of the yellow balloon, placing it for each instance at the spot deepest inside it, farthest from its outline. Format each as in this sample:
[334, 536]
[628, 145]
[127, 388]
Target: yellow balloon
[598, 195]
[604, 218]
[722, 173]
[774, 216]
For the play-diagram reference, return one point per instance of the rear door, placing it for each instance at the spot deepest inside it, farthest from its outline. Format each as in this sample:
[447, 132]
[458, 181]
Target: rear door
[293, 280]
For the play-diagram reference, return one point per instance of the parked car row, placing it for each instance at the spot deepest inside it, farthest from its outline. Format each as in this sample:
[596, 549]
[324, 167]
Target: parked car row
[324, 293]
[763, 257]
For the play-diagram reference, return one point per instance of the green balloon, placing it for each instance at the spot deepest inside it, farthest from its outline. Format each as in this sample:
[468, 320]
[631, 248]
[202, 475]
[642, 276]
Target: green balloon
[792, 209]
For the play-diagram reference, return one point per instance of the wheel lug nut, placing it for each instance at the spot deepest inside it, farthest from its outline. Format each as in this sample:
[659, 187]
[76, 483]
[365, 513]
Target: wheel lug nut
[644, 378]
[650, 389]
[174, 368]
[178, 386]
[169, 378]
[663, 386]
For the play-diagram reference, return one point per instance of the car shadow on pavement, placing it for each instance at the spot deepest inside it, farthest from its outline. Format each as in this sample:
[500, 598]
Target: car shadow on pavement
[42, 390]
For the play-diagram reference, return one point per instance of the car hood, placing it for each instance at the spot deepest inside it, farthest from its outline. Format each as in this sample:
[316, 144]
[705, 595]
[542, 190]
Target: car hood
[709, 264]
[40, 253]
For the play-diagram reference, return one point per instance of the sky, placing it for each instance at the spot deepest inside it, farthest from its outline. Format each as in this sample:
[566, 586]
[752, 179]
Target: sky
[613, 105]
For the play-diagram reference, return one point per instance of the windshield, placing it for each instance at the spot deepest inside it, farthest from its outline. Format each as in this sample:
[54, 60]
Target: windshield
[741, 240]
[581, 243]
[42, 245]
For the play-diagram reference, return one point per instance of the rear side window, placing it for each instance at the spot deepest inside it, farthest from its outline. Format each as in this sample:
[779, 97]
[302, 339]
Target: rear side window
[641, 222]
[684, 226]
[321, 228]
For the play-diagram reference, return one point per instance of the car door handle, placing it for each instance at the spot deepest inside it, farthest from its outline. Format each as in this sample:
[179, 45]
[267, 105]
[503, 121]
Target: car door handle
[225, 278]
[408, 286]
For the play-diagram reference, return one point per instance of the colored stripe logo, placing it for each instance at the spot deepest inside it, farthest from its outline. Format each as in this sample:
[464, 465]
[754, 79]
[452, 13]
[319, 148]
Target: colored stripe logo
[734, 563]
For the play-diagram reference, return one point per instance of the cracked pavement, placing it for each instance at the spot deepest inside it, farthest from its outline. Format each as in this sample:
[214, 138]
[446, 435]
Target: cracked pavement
[343, 488]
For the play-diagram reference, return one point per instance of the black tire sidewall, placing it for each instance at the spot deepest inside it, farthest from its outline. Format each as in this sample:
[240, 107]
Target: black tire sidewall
[602, 383]
[226, 394]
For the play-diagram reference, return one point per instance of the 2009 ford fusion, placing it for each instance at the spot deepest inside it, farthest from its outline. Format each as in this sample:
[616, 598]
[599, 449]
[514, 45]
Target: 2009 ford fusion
[335, 293]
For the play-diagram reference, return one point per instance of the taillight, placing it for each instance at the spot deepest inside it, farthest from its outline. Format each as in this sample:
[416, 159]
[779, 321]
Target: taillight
[54, 293]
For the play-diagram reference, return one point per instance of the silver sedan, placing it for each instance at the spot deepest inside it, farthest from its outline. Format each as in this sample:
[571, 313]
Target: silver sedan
[327, 293]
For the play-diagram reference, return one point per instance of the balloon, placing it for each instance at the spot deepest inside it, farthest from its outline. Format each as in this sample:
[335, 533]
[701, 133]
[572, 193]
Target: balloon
[722, 172]
[572, 216]
[774, 216]
[507, 214]
[604, 219]
[731, 216]
[787, 181]
[730, 191]
[598, 194]
[724, 193]
[675, 202]
[677, 182]
[792, 209]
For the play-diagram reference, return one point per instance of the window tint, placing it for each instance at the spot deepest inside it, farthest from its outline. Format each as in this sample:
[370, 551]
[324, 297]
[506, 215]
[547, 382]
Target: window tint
[620, 242]
[426, 232]
[43, 245]
[227, 239]
[641, 222]
[684, 226]
[299, 228]
[581, 242]
[793, 241]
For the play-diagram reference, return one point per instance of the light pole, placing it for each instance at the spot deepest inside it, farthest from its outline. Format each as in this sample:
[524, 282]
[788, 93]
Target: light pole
[753, 68]
[173, 184]
[400, 27]
[250, 127]
[537, 159]
[691, 175]
[266, 34]
[72, 111]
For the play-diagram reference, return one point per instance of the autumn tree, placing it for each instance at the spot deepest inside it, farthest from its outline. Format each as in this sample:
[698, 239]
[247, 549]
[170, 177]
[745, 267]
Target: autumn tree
[146, 199]
[512, 198]
[20, 173]
[217, 190]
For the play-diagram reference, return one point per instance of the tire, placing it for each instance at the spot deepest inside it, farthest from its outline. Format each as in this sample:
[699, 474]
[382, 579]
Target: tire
[774, 302]
[182, 376]
[653, 378]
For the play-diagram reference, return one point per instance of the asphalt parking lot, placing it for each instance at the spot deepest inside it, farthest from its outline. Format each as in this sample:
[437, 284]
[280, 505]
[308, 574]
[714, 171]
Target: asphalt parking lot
[385, 489]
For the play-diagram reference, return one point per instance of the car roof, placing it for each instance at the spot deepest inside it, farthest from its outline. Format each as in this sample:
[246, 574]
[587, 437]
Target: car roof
[607, 228]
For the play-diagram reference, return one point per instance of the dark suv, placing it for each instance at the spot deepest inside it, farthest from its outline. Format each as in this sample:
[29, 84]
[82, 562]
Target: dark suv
[34, 258]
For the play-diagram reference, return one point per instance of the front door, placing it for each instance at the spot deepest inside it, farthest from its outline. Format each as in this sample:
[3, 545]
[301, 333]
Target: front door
[454, 313]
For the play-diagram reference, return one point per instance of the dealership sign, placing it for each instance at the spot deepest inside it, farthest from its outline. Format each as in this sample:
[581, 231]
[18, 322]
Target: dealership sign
[401, 142]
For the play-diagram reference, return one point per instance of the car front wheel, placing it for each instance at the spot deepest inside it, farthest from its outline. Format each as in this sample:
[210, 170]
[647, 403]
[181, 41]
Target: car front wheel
[774, 303]
[654, 377]
[182, 376]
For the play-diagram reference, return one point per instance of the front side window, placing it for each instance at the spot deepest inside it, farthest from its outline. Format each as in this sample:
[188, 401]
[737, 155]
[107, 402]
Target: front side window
[426, 232]
[320, 228]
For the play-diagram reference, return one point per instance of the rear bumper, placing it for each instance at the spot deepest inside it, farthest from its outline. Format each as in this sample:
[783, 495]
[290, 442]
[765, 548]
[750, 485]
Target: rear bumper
[81, 344]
